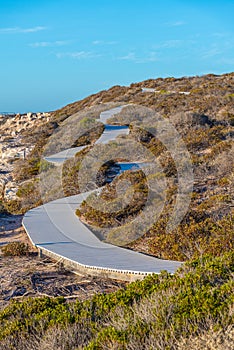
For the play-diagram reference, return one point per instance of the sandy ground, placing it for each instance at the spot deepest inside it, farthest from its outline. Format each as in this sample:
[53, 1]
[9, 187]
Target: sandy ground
[31, 276]
[11, 229]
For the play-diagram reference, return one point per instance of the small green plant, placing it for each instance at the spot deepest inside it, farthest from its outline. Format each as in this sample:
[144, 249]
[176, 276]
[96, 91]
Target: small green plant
[164, 308]
[13, 206]
[2, 208]
[15, 249]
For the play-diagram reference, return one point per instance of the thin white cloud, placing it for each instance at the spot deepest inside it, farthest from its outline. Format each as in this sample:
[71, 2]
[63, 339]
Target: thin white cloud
[174, 46]
[170, 44]
[78, 55]
[151, 57]
[223, 49]
[131, 56]
[175, 24]
[97, 42]
[220, 35]
[17, 30]
[33, 30]
[49, 43]
[227, 61]
[212, 52]
[102, 42]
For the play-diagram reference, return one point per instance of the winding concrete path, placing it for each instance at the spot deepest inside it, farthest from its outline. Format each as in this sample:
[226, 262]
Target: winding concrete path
[110, 133]
[56, 230]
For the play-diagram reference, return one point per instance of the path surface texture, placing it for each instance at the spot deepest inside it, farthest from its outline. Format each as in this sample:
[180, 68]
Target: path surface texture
[55, 229]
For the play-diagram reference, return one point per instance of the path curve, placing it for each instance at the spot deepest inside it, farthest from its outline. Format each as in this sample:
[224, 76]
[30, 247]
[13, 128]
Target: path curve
[55, 229]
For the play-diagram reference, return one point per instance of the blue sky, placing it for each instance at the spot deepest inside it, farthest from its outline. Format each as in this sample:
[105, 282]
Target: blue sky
[54, 52]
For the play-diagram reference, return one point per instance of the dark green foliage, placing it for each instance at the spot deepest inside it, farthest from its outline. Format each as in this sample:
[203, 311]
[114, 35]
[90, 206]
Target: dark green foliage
[15, 249]
[118, 217]
[2, 208]
[90, 136]
[12, 206]
[192, 239]
[163, 307]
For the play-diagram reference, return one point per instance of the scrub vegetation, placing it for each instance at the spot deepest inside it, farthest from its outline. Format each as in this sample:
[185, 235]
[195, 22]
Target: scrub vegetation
[192, 309]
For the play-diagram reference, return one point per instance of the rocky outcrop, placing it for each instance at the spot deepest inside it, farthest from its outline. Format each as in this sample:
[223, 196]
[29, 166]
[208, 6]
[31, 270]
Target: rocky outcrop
[9, 151]
[10, 191]
[13, 125]
[12, 147]
[165, 91]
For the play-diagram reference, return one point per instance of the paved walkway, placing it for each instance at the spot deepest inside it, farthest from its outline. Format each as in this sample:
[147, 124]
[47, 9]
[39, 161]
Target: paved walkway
[110, 133]
[55, 227]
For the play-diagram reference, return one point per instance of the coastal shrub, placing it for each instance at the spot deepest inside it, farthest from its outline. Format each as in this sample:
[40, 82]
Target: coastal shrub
[191, 240]
[102, 217]
[156, 313]
[15, 249]
[91, 135]
[2, 208]
[13, 206]
[29, 194]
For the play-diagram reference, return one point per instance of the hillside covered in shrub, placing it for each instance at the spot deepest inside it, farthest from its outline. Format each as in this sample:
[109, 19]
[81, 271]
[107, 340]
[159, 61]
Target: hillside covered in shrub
[201, 111]
[192, 309]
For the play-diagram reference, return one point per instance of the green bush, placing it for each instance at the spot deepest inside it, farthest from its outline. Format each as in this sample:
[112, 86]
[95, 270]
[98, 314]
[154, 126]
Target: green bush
[15, 249]
[2, 208]
[161, 308]
[13, 206]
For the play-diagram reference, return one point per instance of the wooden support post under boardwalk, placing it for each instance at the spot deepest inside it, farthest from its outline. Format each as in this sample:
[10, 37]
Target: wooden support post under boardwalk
[39, 253]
